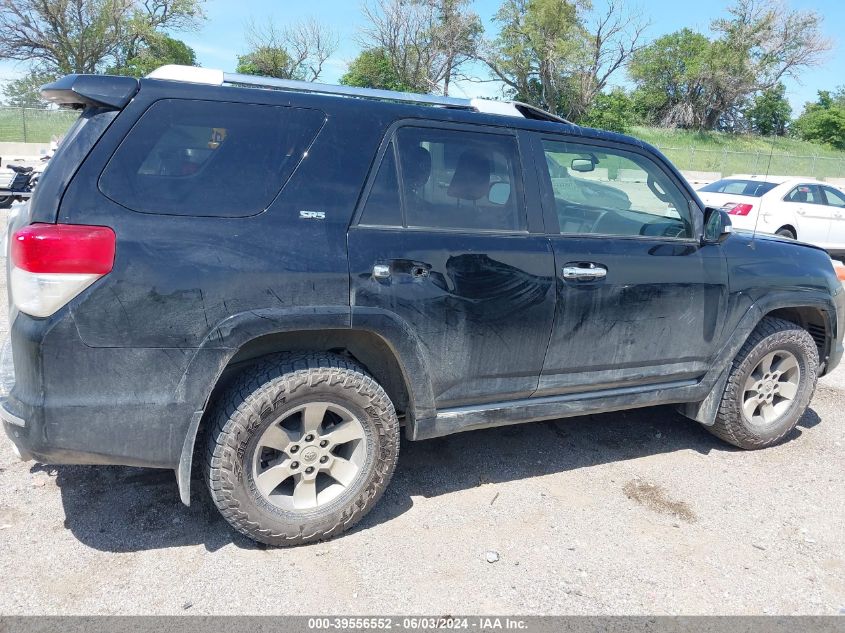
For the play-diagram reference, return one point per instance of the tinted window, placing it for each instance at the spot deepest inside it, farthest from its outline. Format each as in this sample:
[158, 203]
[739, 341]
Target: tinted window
[805, 193]
[752, 188]
[208, 158]
[606, 191]
[460, 180]
[383, 207]
[834, 198]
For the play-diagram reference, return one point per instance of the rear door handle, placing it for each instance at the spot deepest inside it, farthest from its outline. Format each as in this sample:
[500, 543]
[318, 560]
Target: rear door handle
[584, 272]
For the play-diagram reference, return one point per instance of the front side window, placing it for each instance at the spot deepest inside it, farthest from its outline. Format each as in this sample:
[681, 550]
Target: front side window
[448, 179]
[208, 158]
[609, 191]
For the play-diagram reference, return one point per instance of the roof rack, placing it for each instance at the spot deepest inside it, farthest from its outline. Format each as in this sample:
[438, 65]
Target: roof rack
[213, 77]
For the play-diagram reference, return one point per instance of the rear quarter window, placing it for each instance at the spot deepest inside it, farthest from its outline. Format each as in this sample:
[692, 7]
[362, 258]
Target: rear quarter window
[208, 158]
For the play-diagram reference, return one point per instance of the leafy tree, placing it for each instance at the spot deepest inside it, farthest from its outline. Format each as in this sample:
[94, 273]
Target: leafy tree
[269, 61]
[85, 36]
[669, 74]
[559, 54]
[687, 79]
[770, 112]
[824, 120]
[24, 92]
[425, 42]
[612, 111]
[157, 51]
[372, 69]
[298, 51]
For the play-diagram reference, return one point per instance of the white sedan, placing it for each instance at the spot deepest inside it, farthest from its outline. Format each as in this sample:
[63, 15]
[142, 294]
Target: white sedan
[799, 208]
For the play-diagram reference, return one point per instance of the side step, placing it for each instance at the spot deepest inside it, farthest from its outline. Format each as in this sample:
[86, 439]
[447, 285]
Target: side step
[459, 419]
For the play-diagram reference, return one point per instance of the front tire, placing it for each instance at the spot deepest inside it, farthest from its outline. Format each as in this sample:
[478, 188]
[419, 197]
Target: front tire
[301, 447]
[785, 232]
[769, 387]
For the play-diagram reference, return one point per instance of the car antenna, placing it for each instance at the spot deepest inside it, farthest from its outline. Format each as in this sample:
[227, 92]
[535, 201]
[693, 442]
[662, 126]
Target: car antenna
[765, 179]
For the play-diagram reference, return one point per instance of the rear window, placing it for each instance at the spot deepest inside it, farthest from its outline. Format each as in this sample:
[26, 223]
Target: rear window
[753, 188]
[208, 158]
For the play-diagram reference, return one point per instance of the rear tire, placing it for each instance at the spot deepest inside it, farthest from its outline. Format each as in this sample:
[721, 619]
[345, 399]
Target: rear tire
[6, 201]
[769, 387]
[300, 448]
[785, 232]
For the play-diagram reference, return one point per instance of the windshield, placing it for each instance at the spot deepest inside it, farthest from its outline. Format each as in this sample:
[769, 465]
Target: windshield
[753, 188]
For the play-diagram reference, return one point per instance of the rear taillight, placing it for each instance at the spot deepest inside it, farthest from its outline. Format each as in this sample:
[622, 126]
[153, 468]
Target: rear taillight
[738, 209]
[52, 263]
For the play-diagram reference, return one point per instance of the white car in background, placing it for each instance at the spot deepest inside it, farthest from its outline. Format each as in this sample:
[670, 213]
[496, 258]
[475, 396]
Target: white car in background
[799, 208]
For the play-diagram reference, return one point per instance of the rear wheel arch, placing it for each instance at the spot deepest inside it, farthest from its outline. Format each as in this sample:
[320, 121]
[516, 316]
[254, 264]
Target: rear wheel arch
[368, 349]
[389, 366]
[788, 230]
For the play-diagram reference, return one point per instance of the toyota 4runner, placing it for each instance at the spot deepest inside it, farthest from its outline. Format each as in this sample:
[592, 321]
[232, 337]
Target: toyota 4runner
[263, 280]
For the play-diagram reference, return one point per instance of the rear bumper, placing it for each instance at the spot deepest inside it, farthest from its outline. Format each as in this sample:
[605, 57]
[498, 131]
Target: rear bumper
[15, 428]
[74, 404]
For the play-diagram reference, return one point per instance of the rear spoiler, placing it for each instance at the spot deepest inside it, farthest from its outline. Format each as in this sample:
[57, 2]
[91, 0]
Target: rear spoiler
[79, 91]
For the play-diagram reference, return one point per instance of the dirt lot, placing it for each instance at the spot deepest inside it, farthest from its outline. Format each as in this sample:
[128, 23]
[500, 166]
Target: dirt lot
[636, 512]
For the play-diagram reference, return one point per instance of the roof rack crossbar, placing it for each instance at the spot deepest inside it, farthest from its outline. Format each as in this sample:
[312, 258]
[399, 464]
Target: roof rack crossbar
[350, 91]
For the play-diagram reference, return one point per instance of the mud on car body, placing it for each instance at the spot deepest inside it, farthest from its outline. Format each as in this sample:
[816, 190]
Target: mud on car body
[262, 281]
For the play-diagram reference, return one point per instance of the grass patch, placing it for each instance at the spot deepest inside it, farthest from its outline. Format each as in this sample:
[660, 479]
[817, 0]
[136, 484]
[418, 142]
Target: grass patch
[744, 153]
[31, 125]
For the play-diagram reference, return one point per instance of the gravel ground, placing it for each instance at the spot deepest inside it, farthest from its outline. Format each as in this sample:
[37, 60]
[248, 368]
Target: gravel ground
[639, 512]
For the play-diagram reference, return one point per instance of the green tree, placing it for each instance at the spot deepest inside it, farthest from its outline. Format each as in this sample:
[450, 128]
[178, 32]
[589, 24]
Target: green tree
[25, 91]
[372, 69]
[297, 51]
[612, 111]
[824, 120]
[86, 36]
[158, 50]
[770, 112]
[268, 61]
[687, 79]
[425, 42]
[560, 54]
[670, 76]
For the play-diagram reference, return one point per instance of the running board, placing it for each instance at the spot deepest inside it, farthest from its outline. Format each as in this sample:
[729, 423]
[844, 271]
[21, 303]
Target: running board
[459, 419]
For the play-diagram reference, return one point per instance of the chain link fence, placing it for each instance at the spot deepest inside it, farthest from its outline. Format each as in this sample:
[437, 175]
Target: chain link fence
[727, 162]
[34, 125]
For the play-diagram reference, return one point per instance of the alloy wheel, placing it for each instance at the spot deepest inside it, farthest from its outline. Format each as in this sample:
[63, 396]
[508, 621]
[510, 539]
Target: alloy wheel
[309, 456]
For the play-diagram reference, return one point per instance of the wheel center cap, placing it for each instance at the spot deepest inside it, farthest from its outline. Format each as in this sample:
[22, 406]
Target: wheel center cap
[310, 454]
[768, 385]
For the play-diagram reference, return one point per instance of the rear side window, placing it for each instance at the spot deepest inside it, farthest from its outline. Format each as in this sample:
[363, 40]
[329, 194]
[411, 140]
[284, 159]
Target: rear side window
[448, 179]
[805, 193]
[383, 206]
[208, 158]
[752, 188]
[460, 180]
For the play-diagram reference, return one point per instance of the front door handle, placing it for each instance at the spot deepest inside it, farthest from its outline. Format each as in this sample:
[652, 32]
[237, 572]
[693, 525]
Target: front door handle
[584, 272]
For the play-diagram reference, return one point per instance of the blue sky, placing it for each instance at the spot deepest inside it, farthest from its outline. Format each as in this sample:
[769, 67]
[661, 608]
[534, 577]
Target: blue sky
[220, 39]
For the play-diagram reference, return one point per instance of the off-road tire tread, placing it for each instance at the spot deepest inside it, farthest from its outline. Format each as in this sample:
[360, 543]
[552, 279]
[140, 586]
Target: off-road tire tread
[284, 374]
[727, 426]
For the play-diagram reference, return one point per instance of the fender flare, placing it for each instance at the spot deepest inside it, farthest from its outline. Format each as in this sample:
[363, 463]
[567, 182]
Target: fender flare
[705, 410]
[227, 337]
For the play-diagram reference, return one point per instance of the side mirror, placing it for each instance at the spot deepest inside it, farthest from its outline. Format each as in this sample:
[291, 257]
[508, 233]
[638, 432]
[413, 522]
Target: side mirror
[717, 226]
[582, 165]
[500, 193]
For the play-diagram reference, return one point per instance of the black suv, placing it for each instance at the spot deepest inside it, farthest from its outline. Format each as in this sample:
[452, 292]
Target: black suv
[268, 279]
